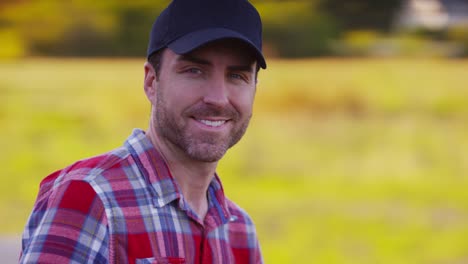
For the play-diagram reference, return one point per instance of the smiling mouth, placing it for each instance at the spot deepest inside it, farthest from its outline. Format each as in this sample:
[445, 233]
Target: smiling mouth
[212, 123]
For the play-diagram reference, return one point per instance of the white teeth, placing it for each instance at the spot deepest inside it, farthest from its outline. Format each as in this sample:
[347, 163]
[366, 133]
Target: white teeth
[213, 123]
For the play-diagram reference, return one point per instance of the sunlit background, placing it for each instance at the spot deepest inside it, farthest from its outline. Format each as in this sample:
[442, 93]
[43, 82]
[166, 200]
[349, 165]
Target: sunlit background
[357, 152]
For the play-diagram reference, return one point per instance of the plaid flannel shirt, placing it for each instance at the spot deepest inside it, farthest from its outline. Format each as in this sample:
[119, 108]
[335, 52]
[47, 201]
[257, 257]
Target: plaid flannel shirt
[125, 207]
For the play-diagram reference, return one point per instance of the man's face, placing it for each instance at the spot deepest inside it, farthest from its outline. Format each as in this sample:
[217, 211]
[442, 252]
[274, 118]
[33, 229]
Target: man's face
[204, 99]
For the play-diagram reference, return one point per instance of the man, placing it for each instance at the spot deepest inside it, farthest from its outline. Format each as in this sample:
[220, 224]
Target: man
[158, 199]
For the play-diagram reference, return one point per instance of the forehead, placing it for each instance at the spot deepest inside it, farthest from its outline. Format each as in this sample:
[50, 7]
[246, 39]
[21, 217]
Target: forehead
[235, 50]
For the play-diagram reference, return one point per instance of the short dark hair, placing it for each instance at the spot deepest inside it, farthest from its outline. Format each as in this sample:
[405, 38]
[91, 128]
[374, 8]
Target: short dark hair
[155, 60]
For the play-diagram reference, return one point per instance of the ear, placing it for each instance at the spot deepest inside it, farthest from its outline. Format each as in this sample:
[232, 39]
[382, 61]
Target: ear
[149, 83]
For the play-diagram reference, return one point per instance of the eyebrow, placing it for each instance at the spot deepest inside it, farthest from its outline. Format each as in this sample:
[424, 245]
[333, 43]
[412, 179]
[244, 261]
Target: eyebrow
[243, 68]
[191, 58]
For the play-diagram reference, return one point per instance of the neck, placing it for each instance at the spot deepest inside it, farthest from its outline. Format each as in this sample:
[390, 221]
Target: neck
[193, 177]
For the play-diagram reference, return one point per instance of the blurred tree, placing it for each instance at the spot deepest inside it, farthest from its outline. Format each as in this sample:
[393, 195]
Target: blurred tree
[135, 21]
[296, 28]
[59, 27]
[362, 14]
[292, 28]
[81, 27]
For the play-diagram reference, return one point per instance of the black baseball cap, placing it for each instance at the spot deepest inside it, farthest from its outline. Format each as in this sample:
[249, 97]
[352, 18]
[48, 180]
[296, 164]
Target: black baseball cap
[188, 24]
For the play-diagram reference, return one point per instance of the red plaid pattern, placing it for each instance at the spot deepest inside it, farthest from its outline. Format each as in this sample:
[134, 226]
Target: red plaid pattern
[125, 207]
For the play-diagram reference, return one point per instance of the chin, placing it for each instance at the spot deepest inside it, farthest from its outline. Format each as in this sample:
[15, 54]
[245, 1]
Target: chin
[206, 152]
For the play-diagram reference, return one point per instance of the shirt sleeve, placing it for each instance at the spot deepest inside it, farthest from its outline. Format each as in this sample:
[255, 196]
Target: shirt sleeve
[67, 225]
[258, 253]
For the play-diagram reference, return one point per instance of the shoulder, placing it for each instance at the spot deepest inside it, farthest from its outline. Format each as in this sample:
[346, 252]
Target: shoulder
[240, 216]
[243, 236]
[80, 177]
[73, 197]
[88, 169]
[70, 213]
[89, 177]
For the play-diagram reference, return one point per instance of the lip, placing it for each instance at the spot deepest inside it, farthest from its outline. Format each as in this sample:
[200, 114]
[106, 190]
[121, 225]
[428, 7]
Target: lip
[211, 123]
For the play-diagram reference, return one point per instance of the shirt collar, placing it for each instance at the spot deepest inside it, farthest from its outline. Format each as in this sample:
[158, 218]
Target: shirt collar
[154, 170]
[217, 201]
[160, 181]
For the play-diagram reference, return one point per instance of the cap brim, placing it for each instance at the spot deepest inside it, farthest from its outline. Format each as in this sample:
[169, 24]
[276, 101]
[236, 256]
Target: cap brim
[193, 40]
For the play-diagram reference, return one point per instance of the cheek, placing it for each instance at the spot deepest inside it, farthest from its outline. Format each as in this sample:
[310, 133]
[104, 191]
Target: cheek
[244, 102]
[175, 94]
[182, 90]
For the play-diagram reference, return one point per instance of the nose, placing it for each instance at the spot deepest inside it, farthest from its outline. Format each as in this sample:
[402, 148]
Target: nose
[216, 93]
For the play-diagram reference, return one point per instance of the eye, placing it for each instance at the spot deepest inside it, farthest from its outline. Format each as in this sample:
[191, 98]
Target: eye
[237, 76]
[193, 71]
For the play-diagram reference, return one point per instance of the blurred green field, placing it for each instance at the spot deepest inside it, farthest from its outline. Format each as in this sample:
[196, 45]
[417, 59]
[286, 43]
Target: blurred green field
[346, 161]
